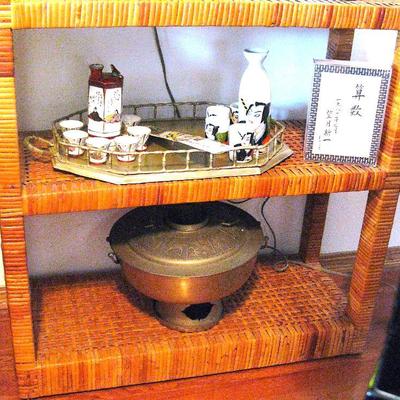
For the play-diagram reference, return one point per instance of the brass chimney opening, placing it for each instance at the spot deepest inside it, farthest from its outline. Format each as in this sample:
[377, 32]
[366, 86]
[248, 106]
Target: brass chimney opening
[187, 217]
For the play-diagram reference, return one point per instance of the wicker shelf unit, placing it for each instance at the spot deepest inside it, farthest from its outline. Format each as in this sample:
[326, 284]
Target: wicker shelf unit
[91, 332]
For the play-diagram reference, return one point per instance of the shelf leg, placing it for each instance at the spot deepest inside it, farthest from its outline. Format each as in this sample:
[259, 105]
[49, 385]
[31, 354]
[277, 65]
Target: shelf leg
[313, 227]
[368, 266]
[378, 219]
[340, 44]
[12, 227]
[389, 157]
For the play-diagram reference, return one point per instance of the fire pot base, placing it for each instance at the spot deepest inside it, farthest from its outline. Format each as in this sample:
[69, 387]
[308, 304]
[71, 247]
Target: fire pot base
[189, 317]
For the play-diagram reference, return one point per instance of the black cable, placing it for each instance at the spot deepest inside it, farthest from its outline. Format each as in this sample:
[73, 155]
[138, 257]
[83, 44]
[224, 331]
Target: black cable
[267, 223]
[284, 260]
[276, 266]
[237, 201]
[161, 56]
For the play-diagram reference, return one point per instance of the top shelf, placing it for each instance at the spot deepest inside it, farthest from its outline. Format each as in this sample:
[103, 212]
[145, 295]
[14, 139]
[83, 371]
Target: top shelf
[46, 191]
[332, 14]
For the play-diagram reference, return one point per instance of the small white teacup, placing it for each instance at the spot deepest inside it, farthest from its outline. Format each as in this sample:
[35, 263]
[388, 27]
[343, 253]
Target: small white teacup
[75, 136]
[70, 124]
[97, 145]
[126, 144]
[130, 120]
[238, 136]
[234, 107]
[217, 123]
[143, 132]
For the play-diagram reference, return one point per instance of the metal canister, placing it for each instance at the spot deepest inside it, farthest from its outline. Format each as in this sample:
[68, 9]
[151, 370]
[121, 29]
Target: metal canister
[105, 101]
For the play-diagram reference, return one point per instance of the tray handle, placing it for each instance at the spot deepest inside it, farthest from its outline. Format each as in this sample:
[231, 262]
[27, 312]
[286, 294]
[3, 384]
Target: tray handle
[42, 153]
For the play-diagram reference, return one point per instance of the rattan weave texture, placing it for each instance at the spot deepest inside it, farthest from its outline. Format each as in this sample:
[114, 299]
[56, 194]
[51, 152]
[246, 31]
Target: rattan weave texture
[11, 219]
[373, 14]
[274, 318]
[40, 190]
[48, 191]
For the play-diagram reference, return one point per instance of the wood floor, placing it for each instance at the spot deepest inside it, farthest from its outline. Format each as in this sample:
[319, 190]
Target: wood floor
[336, 378]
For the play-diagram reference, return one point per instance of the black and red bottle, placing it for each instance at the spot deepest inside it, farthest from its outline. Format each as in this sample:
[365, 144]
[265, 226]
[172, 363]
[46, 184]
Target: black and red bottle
[105, 101]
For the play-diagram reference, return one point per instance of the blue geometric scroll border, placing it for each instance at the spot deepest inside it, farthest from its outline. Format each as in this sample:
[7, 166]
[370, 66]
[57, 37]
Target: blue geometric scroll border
[385, 75]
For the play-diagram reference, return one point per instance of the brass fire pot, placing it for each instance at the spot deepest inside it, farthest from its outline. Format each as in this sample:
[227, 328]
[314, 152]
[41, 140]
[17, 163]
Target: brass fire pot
[187, 258]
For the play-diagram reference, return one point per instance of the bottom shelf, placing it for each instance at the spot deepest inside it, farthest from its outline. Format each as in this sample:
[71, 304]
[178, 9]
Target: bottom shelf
[95, 332]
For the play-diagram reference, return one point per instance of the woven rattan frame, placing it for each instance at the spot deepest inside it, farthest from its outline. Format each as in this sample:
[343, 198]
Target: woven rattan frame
[334, 14]
[340, 327]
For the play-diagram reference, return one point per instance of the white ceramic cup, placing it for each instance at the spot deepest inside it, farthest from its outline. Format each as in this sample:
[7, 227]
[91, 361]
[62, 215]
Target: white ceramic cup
[126, 144]
[75, 136]
[234, 112]
[97, 145]
[143, 132]
[239, 135]
[217, 122]
[70, 124]
[212, 129]
[130, 120]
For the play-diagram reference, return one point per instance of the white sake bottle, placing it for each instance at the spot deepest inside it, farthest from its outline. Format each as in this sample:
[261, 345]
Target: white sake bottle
[255, 96]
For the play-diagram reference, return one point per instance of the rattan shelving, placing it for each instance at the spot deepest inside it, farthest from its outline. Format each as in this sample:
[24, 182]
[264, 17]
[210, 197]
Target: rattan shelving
[46, 190]
[82, 333]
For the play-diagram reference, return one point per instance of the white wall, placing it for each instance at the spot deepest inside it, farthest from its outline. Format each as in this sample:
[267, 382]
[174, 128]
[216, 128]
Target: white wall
[202, 63]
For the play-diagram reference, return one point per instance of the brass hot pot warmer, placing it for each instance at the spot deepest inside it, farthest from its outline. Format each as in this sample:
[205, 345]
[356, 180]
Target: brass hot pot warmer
[187, 258]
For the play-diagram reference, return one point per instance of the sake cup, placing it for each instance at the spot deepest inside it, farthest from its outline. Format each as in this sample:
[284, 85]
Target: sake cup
[214, 130]
[126, 144]
[238, 136]
[130, 120]
[97, 147]
[219, 111]
[70, 124]
[143, 133]
[234, 112]
[75, 136]
[217, 122]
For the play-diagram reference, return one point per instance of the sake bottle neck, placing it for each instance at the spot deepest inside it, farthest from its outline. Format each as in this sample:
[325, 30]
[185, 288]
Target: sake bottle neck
[255, 57]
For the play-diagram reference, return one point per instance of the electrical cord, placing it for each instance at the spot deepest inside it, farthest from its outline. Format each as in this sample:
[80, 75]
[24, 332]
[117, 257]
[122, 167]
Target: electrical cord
[164, 70]
[265, 201]
[283, 264]
[286, 261]
[263, 216]
[276, 265]
[237, 201]
[268, 225]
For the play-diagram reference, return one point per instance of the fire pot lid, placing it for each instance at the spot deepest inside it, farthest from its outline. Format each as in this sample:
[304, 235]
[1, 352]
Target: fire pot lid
[187, 240]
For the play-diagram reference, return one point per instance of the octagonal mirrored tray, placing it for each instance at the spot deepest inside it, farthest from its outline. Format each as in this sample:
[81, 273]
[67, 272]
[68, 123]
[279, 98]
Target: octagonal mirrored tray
[165, 160]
